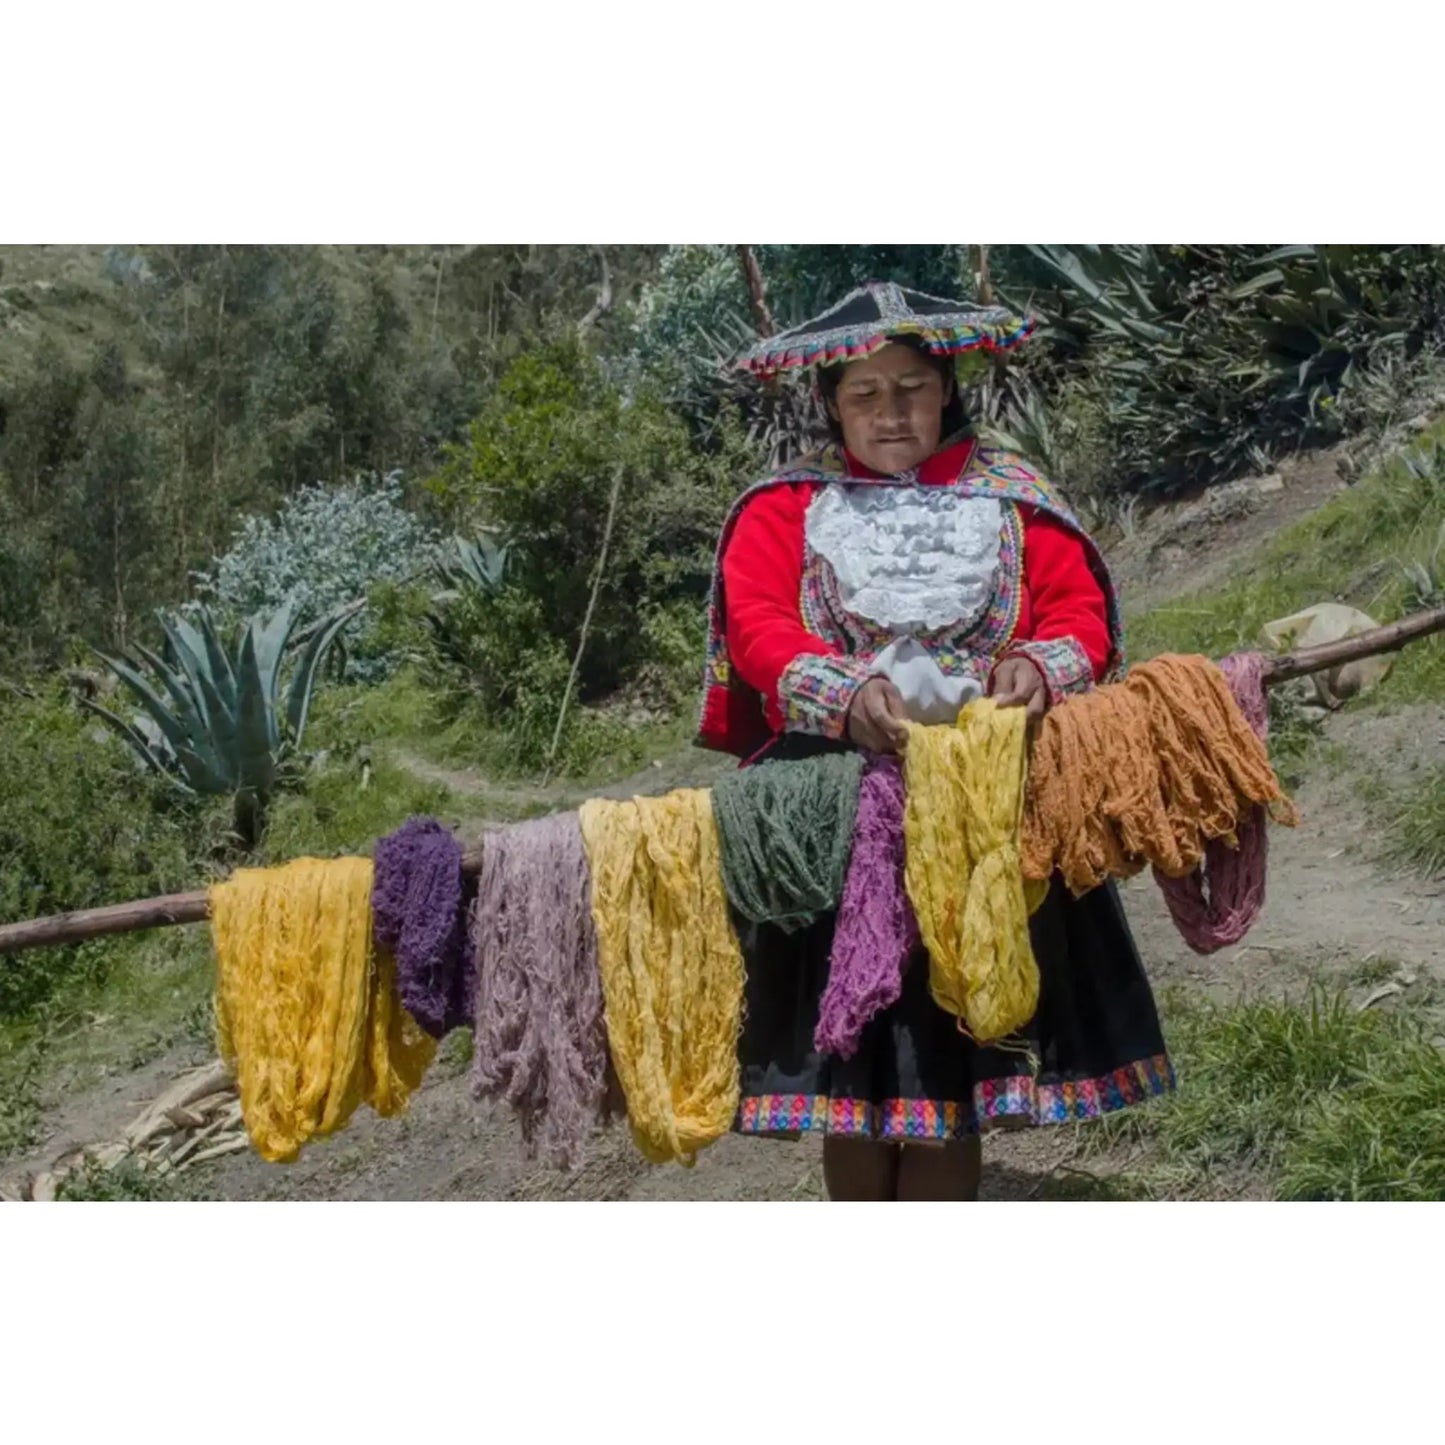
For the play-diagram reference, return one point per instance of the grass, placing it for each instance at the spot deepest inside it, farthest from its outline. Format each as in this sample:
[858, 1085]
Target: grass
[1371, 971]
[1312, 1099]
[135, 998]
[128, 1181]
[345, 808]
[1415, 819]
[600, 746]
[1352, 549]
[454, 1055]
[1407, 803]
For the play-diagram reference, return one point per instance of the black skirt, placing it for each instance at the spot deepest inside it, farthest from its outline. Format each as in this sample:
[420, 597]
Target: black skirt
[1093, 1046]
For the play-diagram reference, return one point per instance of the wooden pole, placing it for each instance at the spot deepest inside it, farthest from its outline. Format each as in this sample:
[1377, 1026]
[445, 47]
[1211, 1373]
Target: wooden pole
[763, 322]
[87, 923]
[63, 928]
[586, 626]
[1390, 638]
[982, 281]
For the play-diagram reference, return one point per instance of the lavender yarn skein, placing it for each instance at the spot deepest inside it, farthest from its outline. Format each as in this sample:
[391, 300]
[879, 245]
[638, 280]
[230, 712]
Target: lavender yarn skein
[541, 1040]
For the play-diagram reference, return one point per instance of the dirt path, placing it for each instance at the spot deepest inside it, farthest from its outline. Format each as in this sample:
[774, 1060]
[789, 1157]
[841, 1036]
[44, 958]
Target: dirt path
[688, 767]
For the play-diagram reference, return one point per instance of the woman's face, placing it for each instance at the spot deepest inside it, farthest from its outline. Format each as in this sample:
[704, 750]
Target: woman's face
[890, 406]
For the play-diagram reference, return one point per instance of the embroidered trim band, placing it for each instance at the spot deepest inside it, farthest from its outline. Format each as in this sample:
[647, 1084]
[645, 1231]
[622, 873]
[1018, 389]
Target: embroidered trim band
[1039, 1102]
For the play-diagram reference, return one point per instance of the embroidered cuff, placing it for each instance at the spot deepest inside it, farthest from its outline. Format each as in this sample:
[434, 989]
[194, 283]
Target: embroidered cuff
[815, 692]
[1062, 661]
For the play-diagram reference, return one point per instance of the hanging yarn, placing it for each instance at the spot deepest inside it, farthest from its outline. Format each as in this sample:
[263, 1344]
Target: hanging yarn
[783, 832]
[876, 931]
[418, 913]
[672, 971]
[1143, 772]
[1217, 904]
[305, 1006]
[965, 789]
[540, 1042]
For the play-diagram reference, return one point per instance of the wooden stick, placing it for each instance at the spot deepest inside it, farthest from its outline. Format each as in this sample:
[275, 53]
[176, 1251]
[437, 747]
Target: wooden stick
[586, 626]
[763, 322]
[63, 928]
[982, 282]
[603, 303]
[1390, 638]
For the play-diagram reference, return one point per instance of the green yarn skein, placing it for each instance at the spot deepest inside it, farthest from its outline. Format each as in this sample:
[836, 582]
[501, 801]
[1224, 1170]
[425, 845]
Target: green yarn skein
[785, 831]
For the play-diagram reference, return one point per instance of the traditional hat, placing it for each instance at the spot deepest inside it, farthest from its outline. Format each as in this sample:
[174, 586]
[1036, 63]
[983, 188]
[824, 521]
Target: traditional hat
[873, 315]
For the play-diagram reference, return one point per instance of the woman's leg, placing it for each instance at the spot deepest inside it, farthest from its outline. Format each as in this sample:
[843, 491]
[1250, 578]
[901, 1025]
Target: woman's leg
[859, 1170]
[940, 1171]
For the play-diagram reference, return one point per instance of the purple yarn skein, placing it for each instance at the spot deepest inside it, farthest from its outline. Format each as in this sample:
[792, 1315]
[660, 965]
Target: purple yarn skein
[876, 931]
[418, 908]
[1233, 877]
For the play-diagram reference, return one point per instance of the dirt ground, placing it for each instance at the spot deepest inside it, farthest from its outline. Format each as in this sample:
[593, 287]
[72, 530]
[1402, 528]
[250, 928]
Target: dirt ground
[1331, 907]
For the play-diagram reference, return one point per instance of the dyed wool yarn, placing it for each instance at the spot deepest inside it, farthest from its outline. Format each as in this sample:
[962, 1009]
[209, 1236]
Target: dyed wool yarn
[1143, 772]
[876, 931]
[540, 1041]
[1216, 905]
[672, 971]
[417, 904]
[306, 1008]
[965, 788]
[784, 831]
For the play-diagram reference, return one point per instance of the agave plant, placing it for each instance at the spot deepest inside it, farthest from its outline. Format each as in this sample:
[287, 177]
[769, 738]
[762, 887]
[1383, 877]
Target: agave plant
[479, 563]
[215, 718]
[1207, 355]
[467, 570]
[1426, 579]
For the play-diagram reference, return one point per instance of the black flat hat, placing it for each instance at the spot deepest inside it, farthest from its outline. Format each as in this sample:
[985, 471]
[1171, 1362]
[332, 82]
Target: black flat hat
[879, 312]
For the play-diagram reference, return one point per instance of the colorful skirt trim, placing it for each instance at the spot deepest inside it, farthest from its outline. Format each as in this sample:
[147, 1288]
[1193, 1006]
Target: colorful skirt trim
[1012, 1098]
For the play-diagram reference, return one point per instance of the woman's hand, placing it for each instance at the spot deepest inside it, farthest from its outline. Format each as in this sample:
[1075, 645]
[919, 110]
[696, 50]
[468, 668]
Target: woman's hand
[877, 719]
[1016, 682]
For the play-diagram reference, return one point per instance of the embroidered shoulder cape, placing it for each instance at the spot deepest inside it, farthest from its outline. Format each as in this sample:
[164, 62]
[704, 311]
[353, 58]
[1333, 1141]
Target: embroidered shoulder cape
[734, 717]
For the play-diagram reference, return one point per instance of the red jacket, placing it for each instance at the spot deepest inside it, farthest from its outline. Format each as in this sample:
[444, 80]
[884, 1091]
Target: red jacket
[1061, 601]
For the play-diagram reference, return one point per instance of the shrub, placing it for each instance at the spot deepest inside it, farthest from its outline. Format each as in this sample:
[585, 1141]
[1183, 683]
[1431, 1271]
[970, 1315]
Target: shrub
[80, 826]
[538, 466]
[326, 547]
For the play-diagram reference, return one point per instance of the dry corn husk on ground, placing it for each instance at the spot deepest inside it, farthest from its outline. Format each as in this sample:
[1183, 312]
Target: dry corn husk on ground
[196, 1119]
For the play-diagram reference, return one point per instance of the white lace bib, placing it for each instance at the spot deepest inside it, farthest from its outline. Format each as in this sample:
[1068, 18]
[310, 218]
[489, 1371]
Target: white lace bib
[911, 559]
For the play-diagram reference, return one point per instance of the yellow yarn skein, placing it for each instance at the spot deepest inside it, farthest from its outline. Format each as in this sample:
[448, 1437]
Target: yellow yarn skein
[961, 821]
[672, 970]
[306, 1009]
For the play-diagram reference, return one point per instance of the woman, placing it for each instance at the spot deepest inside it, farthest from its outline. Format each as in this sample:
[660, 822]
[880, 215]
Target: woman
[894, 577]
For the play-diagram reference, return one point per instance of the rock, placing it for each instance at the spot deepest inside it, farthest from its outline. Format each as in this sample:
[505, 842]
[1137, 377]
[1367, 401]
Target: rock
[1272, 483]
